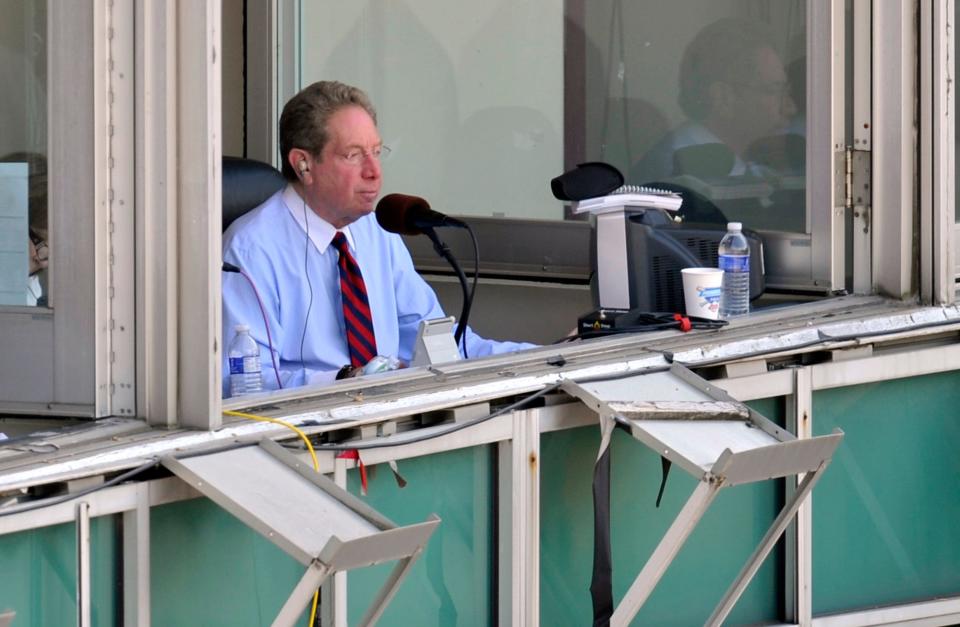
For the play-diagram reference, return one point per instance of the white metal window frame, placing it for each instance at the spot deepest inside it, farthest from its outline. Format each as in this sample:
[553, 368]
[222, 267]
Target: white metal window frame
[862, 135]
[273, 73]
[815, 260]
[178, 246]
[894, 152]
[75, 357]
[913, 150]
[133, 326]
[826, 129]
[938, 258]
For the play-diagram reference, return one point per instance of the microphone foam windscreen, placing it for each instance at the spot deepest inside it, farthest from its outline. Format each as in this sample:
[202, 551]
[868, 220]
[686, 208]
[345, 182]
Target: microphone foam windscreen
[587, 180]
[392, 211]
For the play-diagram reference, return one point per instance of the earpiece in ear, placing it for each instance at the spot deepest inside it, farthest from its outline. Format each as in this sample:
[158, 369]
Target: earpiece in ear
[303, 167]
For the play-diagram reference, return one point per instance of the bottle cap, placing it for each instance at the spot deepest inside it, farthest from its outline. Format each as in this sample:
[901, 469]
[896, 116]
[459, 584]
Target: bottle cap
[734, 226]
[241, 328]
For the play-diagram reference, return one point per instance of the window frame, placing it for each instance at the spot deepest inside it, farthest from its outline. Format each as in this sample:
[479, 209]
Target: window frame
[938, 230]
[133, 327]
[68, 349]
[178, 250]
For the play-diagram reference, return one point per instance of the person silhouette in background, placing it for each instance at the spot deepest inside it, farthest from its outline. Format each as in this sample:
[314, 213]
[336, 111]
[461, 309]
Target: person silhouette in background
[734, 92]
[37, 249]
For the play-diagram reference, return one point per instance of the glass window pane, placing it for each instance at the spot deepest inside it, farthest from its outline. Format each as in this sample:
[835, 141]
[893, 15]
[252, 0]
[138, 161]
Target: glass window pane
[705, 95]
[23, 148]
[867, 547]
[484, 104]
[469, 96]
[452, 581]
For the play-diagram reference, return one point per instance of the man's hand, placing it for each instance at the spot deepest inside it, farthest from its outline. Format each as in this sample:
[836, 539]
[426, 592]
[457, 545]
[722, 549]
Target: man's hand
[349, 372]
[39, 256]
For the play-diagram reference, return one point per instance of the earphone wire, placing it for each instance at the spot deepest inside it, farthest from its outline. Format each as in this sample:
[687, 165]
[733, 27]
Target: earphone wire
[306, 273]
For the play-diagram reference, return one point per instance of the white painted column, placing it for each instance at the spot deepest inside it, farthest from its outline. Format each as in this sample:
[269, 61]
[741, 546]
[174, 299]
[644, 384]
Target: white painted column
[136, 560]
[333, 594]
[179, 205]
[937, 148]
[83, 564]
[799, 575]
[519, 522]
[825, 142]
[894, 146]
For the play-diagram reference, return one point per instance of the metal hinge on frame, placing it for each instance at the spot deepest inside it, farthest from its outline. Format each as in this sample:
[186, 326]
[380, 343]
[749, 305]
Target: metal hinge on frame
[853, 189]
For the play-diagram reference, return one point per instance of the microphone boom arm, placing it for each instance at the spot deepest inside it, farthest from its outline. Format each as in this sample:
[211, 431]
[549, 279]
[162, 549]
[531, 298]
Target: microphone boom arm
[444, 251]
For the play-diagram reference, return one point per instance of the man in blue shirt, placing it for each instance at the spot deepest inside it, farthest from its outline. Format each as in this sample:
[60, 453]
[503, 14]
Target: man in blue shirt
[331, 149]
[734, 90]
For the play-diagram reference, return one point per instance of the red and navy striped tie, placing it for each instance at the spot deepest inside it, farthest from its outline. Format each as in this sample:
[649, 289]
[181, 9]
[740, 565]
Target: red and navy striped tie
[356, 307]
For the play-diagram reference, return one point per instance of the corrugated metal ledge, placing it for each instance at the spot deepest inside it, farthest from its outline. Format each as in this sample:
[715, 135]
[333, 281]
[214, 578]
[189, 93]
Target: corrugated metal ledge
[118, 444]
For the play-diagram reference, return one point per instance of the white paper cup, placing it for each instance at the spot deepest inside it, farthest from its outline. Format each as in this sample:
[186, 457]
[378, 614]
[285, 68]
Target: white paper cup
[701, 291]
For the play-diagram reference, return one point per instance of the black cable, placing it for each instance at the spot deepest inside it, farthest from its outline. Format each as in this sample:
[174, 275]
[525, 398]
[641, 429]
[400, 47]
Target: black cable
[29, 507]
[306, 274]
[444, 251]
[229, 267]
[473, 288]
[640, 322]
[601, 580]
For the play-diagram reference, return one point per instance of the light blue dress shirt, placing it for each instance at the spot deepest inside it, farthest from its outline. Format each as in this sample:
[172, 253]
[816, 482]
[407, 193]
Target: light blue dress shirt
[271, 244]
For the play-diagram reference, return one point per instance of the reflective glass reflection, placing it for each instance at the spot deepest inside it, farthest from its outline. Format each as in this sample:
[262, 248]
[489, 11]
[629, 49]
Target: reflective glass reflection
[484, 104]
[469, 95]
[24, 249]
[705, 96]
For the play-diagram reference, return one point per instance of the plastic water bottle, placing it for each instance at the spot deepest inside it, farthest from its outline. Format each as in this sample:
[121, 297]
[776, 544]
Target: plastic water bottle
[735, 262]
[244, 358]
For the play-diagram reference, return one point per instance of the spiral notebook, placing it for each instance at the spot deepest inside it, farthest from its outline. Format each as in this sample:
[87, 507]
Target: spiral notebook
[631, 196]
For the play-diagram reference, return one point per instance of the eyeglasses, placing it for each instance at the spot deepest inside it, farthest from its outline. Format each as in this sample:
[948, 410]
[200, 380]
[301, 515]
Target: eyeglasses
[357, 156]
[39, 245]
[776, 89]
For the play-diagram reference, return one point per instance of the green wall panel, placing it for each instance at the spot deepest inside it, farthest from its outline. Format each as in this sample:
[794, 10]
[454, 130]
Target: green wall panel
[886, 513]
[705, 566]
[208, 568]
[451, 582]
[38, 574]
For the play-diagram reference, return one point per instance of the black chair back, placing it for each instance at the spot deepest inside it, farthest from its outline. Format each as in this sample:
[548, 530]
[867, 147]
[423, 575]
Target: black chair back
[247, 184]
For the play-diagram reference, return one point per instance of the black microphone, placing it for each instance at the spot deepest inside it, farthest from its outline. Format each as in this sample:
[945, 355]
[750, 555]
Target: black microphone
[411, 215]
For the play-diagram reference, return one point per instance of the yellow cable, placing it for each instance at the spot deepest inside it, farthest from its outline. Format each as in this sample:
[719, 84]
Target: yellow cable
[303, 436]
[316, 467]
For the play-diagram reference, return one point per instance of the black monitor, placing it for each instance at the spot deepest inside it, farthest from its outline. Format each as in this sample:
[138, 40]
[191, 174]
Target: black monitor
[658, 248]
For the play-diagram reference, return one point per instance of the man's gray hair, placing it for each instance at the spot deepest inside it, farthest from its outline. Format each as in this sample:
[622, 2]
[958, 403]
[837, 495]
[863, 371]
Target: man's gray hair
[303, 123]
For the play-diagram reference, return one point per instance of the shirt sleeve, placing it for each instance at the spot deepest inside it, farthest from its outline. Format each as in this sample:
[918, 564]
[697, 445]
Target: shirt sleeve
[416, 301]
[481, 347]
[241, 306]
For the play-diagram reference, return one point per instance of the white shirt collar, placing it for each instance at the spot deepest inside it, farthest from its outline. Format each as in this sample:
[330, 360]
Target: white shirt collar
[320, 231]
